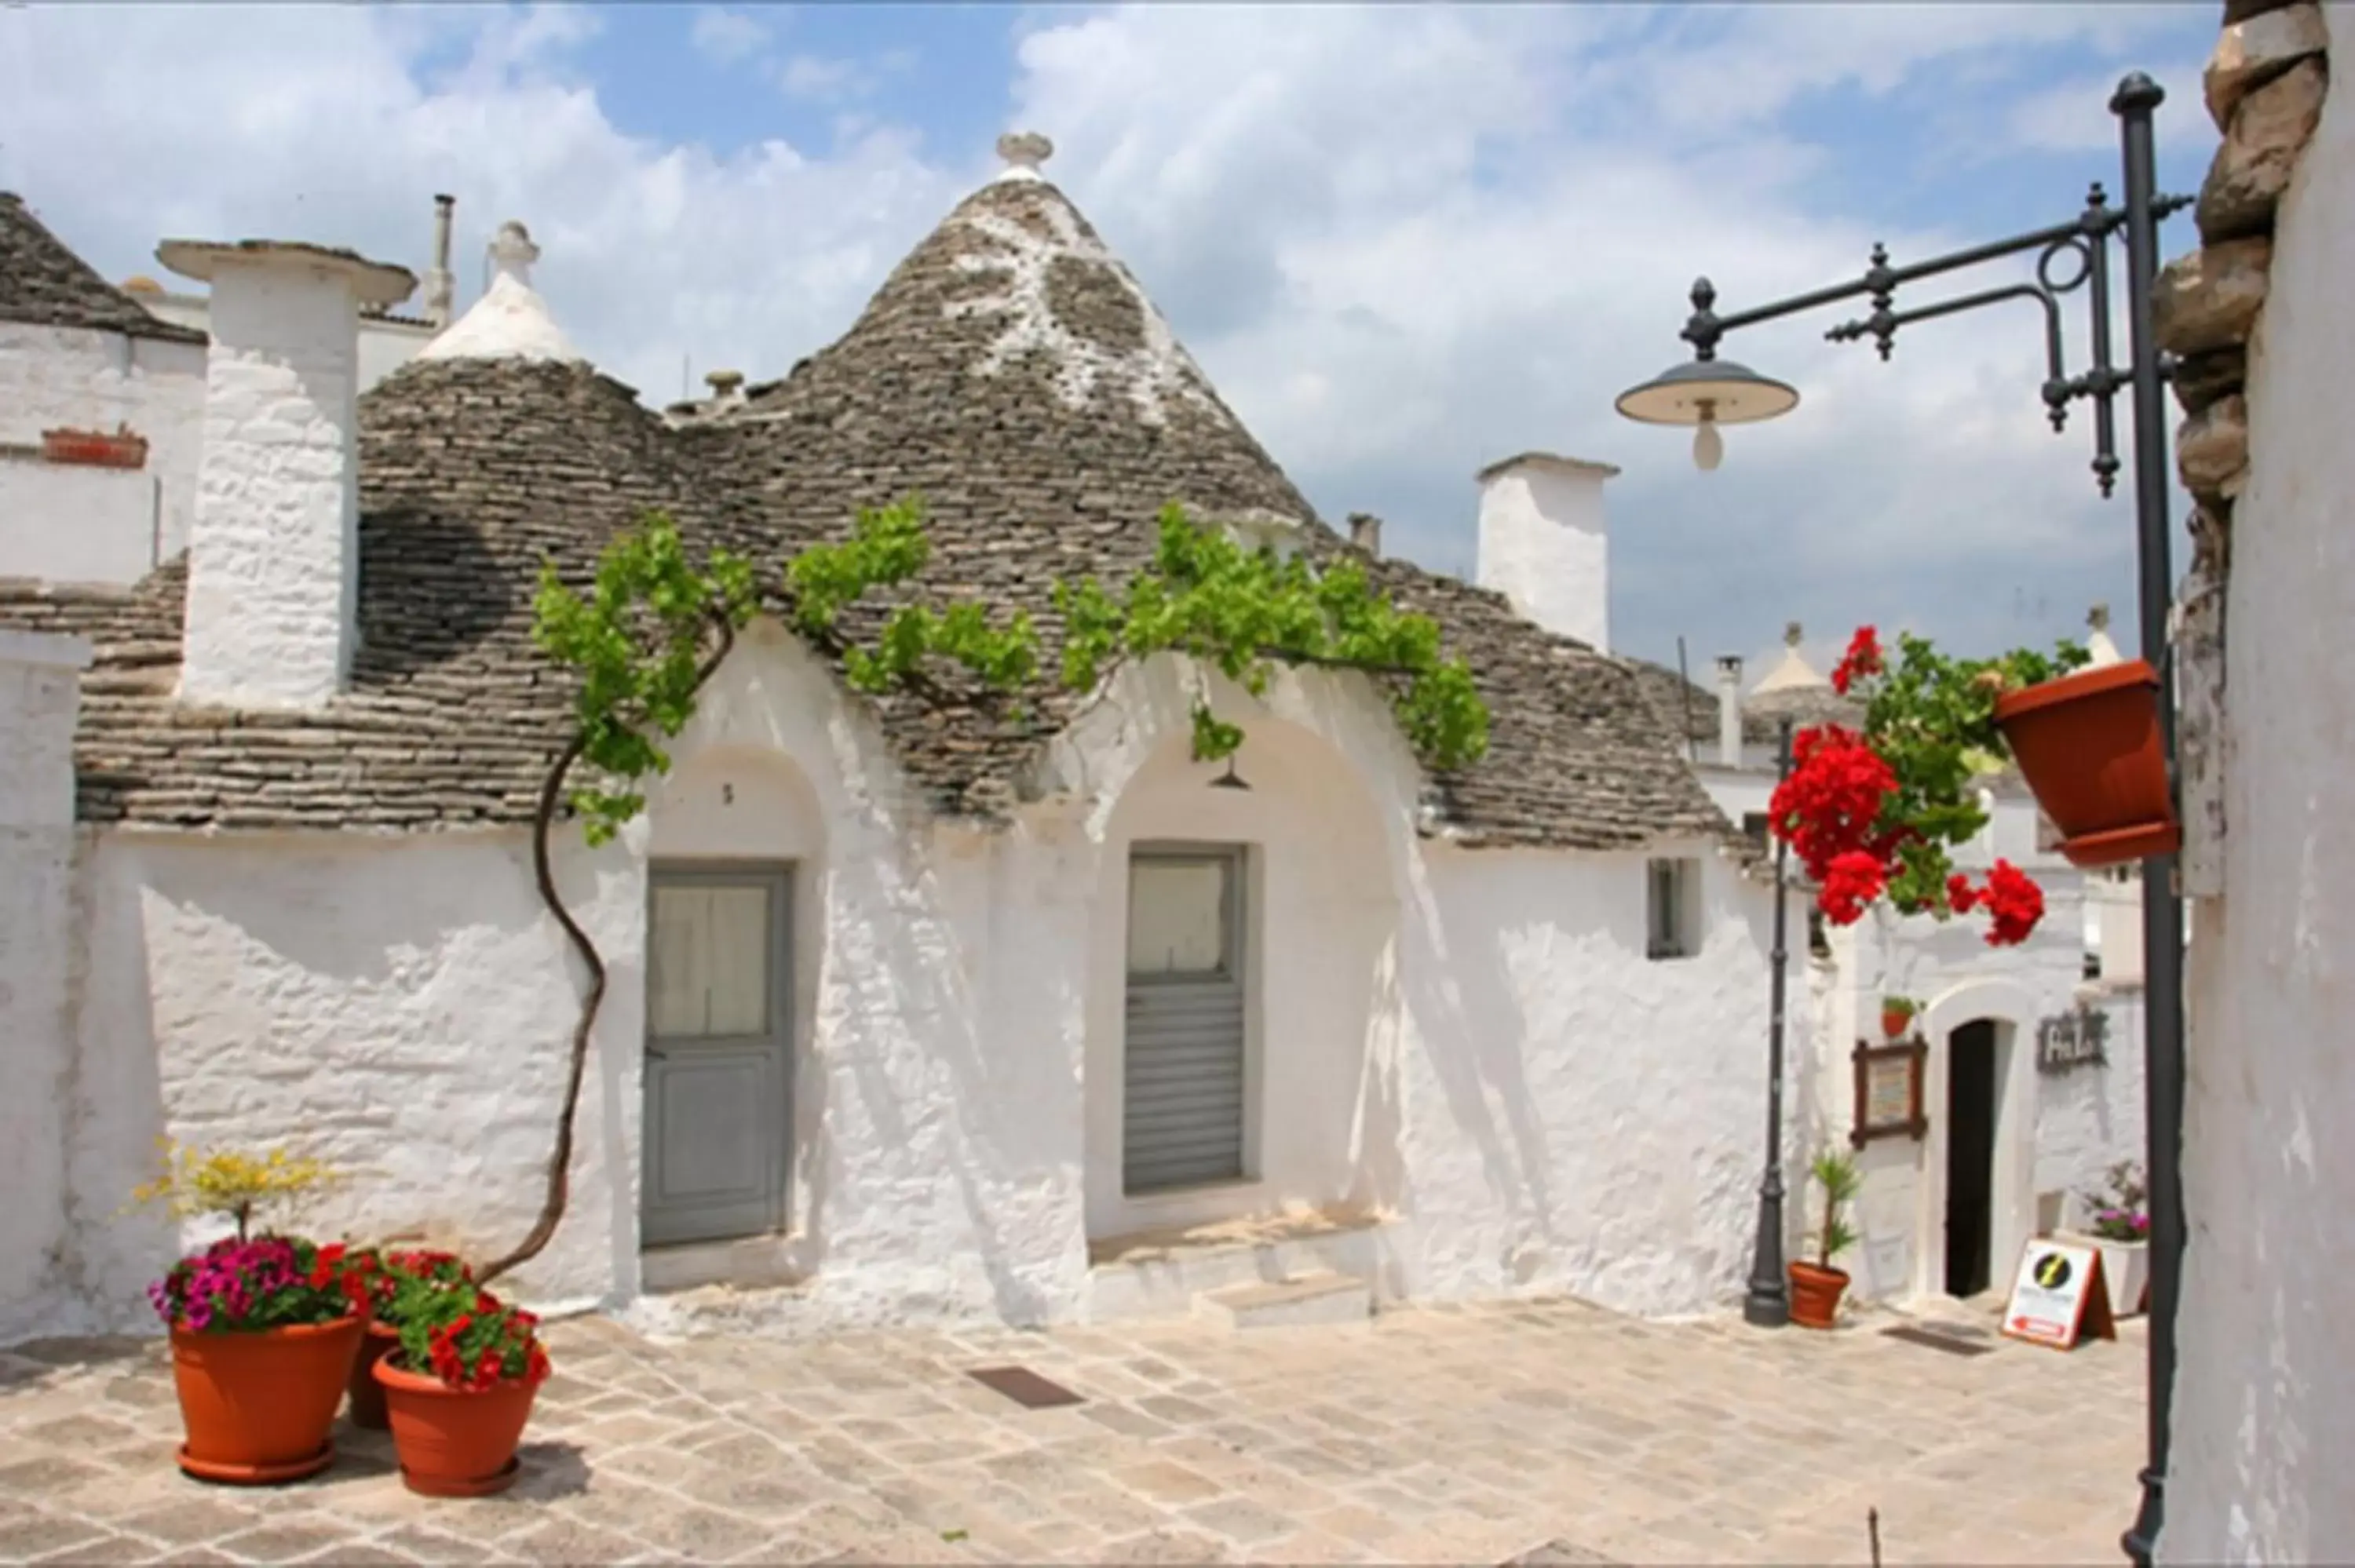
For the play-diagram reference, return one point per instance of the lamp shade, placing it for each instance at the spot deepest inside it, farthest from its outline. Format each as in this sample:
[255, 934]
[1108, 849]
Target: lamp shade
[1711, 389]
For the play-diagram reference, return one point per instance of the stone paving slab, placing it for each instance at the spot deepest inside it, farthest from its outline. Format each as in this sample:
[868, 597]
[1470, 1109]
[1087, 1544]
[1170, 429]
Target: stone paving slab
[1547, 1434]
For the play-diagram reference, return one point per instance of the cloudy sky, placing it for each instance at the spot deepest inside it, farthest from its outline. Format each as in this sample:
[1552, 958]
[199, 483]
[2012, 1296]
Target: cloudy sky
[1403, 240]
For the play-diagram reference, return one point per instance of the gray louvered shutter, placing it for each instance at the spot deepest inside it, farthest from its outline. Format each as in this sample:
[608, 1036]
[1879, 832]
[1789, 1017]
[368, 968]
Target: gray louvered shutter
[1182, 1120]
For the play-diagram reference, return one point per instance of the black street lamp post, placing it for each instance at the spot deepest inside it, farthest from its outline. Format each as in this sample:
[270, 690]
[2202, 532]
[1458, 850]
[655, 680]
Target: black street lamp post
[1709, 392]
[1768, 1304]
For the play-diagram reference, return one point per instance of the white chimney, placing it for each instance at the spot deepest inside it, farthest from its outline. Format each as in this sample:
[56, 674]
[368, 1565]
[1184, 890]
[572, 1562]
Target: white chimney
[1543, 544]
[2099, 649]
[440, 286]
[1729, 709]
[274, 558]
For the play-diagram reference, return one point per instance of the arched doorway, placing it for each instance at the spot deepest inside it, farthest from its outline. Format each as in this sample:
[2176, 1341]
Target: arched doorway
[1973, 1109]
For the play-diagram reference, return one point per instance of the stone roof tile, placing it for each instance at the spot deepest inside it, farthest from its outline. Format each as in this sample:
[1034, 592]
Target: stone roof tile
[44, 283]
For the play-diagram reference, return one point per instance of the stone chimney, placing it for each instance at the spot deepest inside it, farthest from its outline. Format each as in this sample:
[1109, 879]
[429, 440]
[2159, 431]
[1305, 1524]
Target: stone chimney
[1365, 532]
[1729, 709]
[727, 386]
[440, 287]
[274, 559]
[1543, 544]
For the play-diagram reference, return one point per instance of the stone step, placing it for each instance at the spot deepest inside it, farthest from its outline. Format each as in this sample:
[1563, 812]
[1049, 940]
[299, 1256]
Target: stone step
[1301, 1301]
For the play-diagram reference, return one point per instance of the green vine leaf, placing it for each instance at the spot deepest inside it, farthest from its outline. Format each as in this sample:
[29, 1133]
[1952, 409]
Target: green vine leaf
[640, 639]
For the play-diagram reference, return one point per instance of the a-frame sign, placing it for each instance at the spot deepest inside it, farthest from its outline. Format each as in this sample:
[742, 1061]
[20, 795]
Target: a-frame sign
[2059, 1296]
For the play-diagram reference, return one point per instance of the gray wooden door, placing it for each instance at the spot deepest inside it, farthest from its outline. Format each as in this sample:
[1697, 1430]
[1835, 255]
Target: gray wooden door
[1183, 1074]
[718, 1082]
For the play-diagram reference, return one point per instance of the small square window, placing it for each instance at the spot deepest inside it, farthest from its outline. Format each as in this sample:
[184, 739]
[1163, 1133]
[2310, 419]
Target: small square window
[1753, 823]
[1672, 908]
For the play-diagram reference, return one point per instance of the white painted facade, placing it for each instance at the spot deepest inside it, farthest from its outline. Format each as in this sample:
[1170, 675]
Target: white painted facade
[2263, 1417]
[1545, 544]
[2056, 1135]
[1466, 1055]
[66, 523]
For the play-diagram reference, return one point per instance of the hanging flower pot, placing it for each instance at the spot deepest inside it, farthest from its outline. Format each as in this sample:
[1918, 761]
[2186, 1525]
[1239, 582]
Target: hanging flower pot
[2088, 744]
[455, 1427]
[1896, 1016]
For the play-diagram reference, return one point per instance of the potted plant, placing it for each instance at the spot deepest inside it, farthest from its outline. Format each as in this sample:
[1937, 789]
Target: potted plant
[1875, 813]
[263, 1330]
[1897, 1014]
[382, 1279]
[2088, 744]
[459, 1389]
[2120, 1229]
[1815, 1287]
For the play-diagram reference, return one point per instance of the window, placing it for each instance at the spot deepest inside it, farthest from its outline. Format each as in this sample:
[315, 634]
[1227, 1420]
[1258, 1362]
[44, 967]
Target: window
[1819, 941]
[1754, 824]
[1672, 913]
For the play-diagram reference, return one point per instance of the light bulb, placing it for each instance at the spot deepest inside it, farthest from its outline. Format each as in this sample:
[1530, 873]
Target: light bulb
[1708, 447]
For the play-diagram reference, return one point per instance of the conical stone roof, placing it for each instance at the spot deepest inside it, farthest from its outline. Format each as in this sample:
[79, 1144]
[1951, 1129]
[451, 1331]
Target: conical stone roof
[1009, 371]
[44, 283]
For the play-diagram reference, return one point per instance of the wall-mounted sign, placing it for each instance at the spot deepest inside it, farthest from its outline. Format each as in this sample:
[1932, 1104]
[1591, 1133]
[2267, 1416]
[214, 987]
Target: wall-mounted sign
[2073, 1040]
[1888, 1091]
[2059, 1296]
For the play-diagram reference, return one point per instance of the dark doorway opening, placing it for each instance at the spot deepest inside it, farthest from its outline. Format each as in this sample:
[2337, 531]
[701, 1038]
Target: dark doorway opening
[1971, 1157]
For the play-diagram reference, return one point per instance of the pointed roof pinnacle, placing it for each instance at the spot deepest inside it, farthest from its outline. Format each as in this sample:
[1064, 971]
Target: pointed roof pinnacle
[510, 321]
[1024, 151]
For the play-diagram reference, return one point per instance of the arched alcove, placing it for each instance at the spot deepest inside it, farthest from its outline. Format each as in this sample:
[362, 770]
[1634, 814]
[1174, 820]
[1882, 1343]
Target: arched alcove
[1287, 885]
[1979, 1187]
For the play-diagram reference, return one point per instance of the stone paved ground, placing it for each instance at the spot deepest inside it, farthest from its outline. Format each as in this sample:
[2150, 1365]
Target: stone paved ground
[1553, 1432]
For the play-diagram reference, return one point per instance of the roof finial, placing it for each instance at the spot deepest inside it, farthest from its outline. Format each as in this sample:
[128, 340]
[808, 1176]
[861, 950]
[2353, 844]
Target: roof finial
[1791, 634]
[2098, 618]
[1024, 151]
[512, 252]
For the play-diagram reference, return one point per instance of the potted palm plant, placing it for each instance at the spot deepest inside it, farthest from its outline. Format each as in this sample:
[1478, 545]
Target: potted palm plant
[263, 1327]
[459, 1389]
[1815, 1287]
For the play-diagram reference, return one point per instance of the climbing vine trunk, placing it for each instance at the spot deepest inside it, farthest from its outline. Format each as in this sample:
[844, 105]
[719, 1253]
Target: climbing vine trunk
[543, 823]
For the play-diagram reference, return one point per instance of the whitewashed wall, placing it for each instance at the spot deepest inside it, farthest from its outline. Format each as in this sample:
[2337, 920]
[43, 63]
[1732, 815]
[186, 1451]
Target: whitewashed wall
[83, 525]
[1471, 1043]
[2265, 1393]
[2057, 1135]
[384, 345]
[40, 696]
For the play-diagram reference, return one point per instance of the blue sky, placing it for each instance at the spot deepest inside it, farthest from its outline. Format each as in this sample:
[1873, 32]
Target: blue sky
[1404, 240]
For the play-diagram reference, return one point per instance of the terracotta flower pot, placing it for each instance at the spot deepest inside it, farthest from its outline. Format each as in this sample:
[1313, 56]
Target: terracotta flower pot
[1816, 1294]
[1894, 1021]
[257, 1404]
[2088, 744]
[368, 1394]
[454, 1442]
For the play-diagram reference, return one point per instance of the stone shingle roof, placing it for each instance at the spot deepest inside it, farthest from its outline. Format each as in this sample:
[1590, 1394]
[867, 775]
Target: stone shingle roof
[1009, 371]
[44, 283]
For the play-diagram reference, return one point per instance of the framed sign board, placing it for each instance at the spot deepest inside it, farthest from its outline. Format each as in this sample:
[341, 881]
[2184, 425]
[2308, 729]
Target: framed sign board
[1888, 1091]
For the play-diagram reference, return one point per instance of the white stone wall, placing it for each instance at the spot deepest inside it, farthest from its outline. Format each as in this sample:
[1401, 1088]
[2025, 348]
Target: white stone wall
[40, 696]
[2263, 1419]
[384, 345]
[274, 558]
[85, 525]
[1470, 1043]
[2057, 1134]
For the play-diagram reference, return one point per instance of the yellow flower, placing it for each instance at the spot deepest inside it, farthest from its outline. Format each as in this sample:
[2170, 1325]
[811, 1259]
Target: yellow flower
[228, 1181]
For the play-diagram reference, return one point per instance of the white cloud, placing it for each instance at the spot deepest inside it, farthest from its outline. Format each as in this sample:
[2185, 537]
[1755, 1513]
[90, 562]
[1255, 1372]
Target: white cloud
[725, 36]
[1403, 239]
[823, 79]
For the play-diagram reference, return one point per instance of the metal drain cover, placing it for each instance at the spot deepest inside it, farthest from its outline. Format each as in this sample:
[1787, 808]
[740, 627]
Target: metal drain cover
[1025, 1387]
